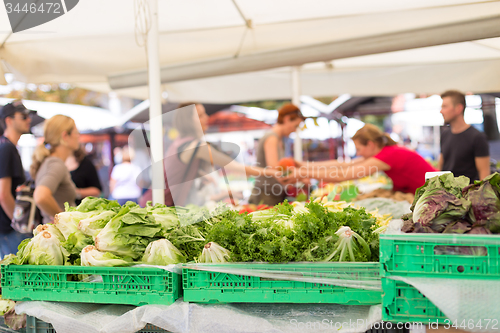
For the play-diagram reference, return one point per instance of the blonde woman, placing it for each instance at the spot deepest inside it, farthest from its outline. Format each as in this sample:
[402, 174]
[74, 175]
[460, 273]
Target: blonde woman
[53, 184]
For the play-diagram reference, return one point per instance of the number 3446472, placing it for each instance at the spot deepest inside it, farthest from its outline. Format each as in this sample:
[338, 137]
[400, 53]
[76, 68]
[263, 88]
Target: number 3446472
[44, 7]
[480, 324]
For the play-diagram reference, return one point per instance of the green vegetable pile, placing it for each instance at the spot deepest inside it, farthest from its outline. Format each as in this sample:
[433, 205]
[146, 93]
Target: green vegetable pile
[303, 233]
[100, 232]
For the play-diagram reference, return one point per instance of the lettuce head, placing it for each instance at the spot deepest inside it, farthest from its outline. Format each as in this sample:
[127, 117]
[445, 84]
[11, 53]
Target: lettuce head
[162, 252]
[90, 256]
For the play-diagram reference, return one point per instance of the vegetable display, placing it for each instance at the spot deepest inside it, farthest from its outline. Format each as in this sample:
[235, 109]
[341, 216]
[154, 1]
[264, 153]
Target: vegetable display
[296, 232]
[100, 232]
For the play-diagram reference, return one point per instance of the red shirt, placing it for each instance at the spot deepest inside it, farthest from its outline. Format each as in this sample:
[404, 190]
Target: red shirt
[407, 168]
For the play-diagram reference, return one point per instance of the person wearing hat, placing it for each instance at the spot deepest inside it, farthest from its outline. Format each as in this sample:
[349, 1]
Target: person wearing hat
[270, 150]
[16, 121]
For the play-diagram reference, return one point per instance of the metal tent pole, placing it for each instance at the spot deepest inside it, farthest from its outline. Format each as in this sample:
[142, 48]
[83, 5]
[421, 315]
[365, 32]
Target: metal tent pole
[155, 115]
[297, 144]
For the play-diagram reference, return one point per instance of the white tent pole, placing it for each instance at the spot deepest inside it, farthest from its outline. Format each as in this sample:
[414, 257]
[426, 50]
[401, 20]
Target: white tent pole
[297, 143]
[155, 115]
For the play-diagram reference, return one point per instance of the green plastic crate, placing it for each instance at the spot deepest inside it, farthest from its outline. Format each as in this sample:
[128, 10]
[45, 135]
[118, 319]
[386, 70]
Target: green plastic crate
[117, 285]
[35, 325]
[432, 255]
[218, 287]
[403, 303]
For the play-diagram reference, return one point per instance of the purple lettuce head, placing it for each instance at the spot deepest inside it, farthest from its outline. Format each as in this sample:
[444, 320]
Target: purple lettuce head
[484, 196]
[447, 182]
[436, 208]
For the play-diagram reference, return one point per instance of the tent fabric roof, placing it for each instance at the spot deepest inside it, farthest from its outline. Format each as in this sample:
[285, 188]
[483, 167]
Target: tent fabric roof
[227, 121]
[96, 40]
[480, 76]
[84, 116]
[140, 113]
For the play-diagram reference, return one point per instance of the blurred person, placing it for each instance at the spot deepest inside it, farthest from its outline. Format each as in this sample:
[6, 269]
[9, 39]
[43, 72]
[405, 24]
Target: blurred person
[189, 160]
[378, 152]
[117, 155]
[270, 150]
[464, 150]
[53, 184]
[16, 121]
[84, 175]
[123, 182]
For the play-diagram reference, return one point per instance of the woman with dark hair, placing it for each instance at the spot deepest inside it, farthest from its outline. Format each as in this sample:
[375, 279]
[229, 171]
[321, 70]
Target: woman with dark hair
[378, 152]
[84, 175]
[270, 150]
[189, 159]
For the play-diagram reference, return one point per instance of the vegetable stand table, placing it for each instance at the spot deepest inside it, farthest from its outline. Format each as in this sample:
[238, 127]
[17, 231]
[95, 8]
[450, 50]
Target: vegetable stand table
[190, 317]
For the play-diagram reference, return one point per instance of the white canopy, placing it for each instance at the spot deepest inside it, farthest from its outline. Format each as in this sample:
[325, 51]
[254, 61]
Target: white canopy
[84, 116]
[202, 40]
[376, 75]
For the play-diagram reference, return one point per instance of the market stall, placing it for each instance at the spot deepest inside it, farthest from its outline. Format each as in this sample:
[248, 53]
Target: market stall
[60, 263]
[188, 269]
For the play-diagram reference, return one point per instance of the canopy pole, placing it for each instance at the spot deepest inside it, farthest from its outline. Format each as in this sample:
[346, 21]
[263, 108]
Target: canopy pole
[297, 143]
[155, 115]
